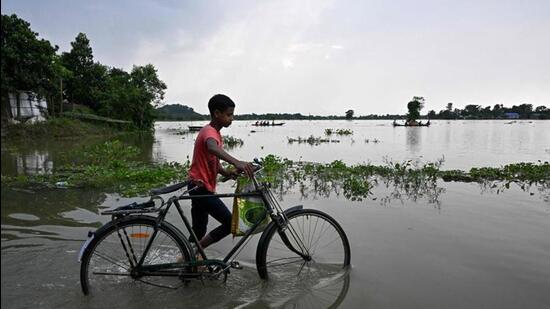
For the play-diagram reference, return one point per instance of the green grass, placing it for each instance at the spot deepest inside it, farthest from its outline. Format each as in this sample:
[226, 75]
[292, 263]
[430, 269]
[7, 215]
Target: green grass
[57, 128]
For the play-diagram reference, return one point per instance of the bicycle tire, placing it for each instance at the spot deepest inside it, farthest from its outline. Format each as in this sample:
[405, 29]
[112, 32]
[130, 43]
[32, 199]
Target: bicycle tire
[106, 255]
[322, 239]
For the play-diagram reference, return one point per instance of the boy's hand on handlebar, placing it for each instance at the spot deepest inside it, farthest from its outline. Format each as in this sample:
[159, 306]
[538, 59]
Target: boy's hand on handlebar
[246, 167]
[233, 174]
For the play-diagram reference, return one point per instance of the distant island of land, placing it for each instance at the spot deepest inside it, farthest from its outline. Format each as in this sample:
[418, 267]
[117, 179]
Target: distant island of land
[179, 112]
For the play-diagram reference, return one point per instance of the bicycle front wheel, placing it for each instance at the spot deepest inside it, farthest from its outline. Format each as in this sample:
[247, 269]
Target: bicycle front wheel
[109, 260]
[312, 245]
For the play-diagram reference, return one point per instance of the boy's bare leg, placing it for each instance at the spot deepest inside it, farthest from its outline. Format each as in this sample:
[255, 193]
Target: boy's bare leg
[206, 241]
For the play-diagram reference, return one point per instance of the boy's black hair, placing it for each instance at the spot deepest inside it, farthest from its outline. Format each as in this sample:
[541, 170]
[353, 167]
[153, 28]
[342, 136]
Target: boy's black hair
[219, 102]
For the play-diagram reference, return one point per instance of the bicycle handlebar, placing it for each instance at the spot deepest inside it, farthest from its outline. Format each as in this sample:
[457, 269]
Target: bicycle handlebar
[258, 166]
[177, 186]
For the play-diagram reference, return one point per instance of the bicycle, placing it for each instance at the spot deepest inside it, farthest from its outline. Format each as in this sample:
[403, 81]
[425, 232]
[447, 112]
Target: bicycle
[138, 247]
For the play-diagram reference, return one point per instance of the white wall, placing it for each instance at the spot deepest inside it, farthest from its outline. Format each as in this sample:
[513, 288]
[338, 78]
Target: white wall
[30, 107]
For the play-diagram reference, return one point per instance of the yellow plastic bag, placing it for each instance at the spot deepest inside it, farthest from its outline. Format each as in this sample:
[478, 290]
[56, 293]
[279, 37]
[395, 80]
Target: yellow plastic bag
[248, 210]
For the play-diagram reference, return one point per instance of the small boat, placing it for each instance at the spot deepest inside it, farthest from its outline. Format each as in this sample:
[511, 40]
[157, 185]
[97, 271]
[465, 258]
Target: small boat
[194, 128]
[269, 124]
[416, 124]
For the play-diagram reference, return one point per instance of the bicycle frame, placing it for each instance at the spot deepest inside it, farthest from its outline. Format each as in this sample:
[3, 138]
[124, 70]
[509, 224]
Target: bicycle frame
[261, 190]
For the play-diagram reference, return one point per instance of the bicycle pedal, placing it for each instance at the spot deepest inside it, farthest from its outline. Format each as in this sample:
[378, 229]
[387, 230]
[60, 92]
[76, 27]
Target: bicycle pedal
[236, 265]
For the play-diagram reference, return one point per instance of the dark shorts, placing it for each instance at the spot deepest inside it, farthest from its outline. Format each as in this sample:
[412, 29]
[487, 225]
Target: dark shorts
[204, 206]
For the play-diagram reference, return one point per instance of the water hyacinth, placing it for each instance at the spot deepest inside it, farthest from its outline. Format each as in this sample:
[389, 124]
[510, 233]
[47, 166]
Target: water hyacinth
[115, 167]
[329, 132]
[312, 140]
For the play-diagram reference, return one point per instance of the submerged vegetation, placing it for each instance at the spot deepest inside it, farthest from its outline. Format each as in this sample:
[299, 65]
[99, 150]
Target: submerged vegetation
[329, 132]
[232, 142]
[111, 166]
[115, 167]
[356, 182]
[229, 141]
[312, 140]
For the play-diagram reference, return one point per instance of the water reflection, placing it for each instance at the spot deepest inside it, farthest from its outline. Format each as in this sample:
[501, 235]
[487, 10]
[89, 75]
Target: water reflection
[326, 293]
[383, 190]
[50, 207]
[36, 163]
[413, 139]
[44, 156]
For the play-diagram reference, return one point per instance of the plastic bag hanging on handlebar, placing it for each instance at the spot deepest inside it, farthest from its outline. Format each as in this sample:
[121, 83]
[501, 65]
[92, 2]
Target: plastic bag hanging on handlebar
[248, 210]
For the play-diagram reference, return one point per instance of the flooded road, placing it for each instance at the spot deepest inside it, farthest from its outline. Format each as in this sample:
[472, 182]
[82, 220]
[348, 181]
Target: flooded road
[467, 247]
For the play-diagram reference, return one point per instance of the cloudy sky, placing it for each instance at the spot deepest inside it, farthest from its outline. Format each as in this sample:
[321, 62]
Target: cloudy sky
[317, 57]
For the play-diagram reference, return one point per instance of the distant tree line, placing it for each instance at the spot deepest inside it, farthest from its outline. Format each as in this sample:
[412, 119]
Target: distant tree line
[498, 111]
[182, 112]
[31, 64]
[524, 111]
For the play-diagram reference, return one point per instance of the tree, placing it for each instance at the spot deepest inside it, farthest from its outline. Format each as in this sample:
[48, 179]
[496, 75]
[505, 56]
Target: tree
[349, 114]
[471, 111]
[543, 111]
[448, 112]
[87, 78]
[486, 112]
[431, 114]
[498, 111]
[414, 106]
[26, 62]
[524, 110]
[151, 89]
[132, 96]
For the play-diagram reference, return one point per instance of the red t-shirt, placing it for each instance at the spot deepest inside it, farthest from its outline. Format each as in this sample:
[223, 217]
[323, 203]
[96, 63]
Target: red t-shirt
[205, 166]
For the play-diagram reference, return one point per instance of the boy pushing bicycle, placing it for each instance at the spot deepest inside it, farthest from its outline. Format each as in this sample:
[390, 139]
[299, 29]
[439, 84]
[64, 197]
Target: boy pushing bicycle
[205, 166]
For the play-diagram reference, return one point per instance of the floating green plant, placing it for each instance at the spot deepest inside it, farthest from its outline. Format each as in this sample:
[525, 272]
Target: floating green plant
[111, 166]
[329, 132]
[180, 131]
[312, 140]
[115, 167]
[232, 142]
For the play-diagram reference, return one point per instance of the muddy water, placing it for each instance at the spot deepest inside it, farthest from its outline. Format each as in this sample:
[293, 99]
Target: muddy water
[462, 246]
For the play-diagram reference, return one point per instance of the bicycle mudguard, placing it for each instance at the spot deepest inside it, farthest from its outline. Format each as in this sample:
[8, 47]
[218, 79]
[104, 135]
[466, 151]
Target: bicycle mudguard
[293, 208]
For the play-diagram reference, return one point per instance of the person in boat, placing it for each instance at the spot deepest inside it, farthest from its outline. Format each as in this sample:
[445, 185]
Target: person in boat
[205, 166]
[273, 122]
[257, 122]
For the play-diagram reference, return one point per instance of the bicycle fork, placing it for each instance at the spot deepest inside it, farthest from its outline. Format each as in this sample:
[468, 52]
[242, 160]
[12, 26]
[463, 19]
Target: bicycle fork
[303, 252]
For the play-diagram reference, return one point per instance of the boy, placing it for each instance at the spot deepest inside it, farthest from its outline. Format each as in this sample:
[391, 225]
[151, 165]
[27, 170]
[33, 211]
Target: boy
[204, 169]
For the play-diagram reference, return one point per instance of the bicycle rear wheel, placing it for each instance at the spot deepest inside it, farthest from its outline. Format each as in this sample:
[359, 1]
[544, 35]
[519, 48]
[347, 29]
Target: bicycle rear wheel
[109, 259]
[312, 245]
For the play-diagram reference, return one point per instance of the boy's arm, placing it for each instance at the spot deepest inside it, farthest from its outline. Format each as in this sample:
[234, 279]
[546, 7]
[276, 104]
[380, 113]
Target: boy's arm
[225, 172]
[214, 149]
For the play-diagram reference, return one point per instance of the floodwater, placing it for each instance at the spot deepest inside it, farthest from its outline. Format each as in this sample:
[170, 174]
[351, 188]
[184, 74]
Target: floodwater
[460, 245]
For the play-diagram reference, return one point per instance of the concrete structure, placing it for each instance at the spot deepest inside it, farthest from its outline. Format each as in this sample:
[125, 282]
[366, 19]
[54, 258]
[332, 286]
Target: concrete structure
[30, 108]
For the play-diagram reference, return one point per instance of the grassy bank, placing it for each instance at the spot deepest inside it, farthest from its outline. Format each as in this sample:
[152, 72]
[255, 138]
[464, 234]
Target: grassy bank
[71, 125]
[57, 128]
